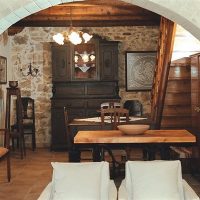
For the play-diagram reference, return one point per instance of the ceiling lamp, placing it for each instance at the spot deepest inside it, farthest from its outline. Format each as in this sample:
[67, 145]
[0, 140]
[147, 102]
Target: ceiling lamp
[74, 36]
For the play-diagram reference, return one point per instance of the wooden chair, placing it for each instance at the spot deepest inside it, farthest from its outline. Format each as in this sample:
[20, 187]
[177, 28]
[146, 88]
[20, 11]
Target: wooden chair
[135, 107]
[28, 118]
[114, 116]
[28, 114]
[67, 128]
[17, 132]
[110, 105]
[122, 116]
[108, 115]
[74, 154]
[4, 151]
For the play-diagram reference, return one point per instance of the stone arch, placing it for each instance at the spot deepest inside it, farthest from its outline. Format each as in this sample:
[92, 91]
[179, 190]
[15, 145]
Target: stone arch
[182, 12]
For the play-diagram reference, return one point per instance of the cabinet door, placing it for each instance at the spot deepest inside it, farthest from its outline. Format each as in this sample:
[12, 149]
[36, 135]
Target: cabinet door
[59, 138]
[61, 63]
[85, 61]
[109, 61]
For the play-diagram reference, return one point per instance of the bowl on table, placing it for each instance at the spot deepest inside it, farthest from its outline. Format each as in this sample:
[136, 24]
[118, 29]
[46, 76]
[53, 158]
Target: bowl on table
[133, 129]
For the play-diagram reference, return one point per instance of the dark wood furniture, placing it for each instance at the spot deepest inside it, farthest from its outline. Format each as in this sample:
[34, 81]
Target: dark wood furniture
[4, 151]
[28, 107]
[28, 117]
[15, 134]
[81, 86]
[134, 106]
[95, 123]
[154, 137]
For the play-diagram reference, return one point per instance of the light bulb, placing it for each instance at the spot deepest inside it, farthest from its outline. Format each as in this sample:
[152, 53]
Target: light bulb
[92, 57]
[59, 38]
[86, 37]
[85, 57]
[75, 38]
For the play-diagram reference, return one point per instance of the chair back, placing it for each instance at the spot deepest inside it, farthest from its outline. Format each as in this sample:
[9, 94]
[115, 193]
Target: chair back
[114, 116]
[28, 106]
[108, 115]
[66, 118]
[134, 107]
[67, 128]
[122, 115]
[110, 105]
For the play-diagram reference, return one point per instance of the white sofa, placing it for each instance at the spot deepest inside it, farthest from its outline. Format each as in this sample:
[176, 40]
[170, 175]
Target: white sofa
[80, 181]
[155, 180]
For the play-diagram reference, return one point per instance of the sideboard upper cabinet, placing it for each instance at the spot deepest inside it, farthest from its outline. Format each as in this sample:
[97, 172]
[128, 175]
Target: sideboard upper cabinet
[109, 60]
[85, 63]
[61, 62]
[95, 60]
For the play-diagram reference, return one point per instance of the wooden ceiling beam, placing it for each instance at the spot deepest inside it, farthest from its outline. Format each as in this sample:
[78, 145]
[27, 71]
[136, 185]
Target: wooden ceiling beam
[94, 13]
[87, 23]
[91, 18]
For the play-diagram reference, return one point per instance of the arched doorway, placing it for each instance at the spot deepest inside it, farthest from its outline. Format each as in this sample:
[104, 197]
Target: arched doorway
[182, 12]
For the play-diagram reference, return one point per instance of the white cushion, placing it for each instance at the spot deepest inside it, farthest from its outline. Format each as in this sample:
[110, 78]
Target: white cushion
[189, 193]
[154, 180]
[89, 181]
[46, 193]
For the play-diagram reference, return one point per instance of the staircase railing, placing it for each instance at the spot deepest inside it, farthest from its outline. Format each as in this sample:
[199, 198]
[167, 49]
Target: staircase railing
[164, 53]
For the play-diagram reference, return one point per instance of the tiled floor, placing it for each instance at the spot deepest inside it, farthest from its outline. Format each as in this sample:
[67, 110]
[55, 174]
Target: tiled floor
[31, 175]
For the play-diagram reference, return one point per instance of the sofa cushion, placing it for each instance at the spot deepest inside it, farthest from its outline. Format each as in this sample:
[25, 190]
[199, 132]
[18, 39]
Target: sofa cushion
[80, 181]
[154, 180]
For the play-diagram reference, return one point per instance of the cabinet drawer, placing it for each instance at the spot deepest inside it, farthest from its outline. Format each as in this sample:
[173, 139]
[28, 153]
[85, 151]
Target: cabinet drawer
[69, 90]
[101, 89]
[72, 103]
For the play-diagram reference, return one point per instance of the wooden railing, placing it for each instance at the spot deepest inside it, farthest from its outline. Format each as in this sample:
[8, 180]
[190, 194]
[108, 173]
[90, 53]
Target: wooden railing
[164, 53]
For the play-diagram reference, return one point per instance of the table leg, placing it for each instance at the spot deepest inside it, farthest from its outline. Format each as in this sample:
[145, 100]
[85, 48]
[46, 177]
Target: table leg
[97, 153]
[165, 152]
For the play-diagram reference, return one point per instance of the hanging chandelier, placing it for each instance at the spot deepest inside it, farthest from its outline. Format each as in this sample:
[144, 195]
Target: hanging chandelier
[74, 36]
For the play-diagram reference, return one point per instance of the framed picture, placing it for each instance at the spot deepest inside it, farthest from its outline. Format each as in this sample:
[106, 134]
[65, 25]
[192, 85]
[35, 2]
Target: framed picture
[3, 69]
[140, 70]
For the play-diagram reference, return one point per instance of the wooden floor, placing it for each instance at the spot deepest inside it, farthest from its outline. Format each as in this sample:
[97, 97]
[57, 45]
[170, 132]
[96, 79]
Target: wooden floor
[32, 174]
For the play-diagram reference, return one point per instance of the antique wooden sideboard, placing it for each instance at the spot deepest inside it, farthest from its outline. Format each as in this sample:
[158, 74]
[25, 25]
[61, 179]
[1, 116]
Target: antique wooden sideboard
[84, 76]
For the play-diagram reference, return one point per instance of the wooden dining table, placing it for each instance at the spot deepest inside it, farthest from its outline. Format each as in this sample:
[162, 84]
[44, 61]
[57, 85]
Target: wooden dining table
[94, 123]
[164, 138]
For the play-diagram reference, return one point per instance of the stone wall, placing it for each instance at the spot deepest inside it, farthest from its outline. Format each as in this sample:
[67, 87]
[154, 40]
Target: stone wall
[33, 45]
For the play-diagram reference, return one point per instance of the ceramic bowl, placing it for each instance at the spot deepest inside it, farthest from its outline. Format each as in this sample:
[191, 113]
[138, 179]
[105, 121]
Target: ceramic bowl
[13, 84]
[133, 129]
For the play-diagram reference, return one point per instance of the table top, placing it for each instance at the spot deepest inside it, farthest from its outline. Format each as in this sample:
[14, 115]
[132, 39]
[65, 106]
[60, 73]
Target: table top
[149, 136]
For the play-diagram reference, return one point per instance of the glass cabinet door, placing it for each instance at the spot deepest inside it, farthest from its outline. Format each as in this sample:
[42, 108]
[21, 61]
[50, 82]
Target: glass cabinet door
[85, 61]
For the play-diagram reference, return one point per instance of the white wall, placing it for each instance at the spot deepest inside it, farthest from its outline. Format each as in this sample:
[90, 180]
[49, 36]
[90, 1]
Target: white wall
[185, 44]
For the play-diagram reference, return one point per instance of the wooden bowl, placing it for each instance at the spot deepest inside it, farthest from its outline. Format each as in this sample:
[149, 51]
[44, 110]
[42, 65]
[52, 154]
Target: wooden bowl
[133, 129]
[13, 84]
